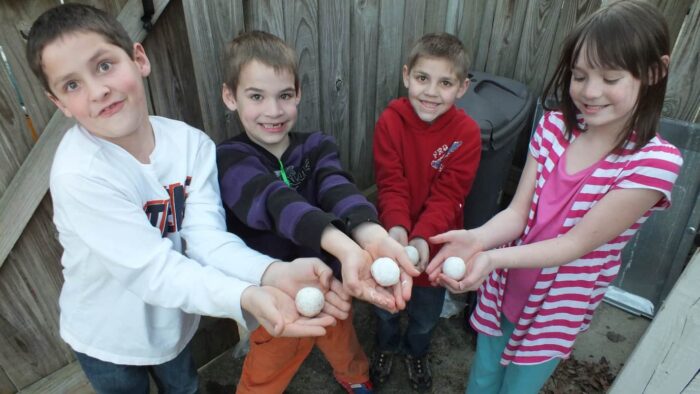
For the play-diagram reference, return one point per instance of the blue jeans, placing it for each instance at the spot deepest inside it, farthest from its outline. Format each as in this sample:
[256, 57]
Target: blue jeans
[177, 376]
[423, 314]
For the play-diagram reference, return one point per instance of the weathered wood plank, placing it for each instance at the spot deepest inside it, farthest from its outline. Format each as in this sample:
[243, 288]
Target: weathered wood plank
[29, 287]
[683, 92]
[6, 385]
[32, 179]
[336, 59]
[666, 358]
[69, 379]
[413, 29]
[506, 34]
[436, 16]
[364, 25]
[16, 19]
[210, 26]
[266, 15]
[572, 12]
[15, 136]
[675, 12]
[301, 30]
[172, 81]
[389, 60]
[471, 20]
[536, 43]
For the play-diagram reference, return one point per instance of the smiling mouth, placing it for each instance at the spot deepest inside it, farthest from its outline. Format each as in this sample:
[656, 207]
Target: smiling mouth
[111, 109]
[429, 105]
[272, 126]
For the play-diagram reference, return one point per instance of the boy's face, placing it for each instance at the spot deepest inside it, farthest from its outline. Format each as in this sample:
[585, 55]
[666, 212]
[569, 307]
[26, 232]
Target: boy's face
[266, 102]
[99, 85]
[432, 87]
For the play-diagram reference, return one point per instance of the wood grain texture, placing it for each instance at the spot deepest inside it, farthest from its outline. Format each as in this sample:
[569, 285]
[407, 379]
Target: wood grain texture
[506, 34]
[683, 91]
[172, 80]
[413, 29]
[16, 19]
[364, 27]
[29, 286]
[436, 15]
[210, 26]
[15, 136]
[675, 12]
[535, 49]
[572, 12]
[336, 82]
[666, 358]
[69, 379]
[301, 30]
[265, 15]
[389, 60]
[472, 20]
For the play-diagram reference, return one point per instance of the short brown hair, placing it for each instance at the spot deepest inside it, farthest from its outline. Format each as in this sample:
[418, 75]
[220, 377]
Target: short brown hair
[444, 46]
[263, 47]
[72, 18]
[626, 35]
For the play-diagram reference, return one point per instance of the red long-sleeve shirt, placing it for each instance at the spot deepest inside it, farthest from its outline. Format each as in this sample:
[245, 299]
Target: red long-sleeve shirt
[424, 170]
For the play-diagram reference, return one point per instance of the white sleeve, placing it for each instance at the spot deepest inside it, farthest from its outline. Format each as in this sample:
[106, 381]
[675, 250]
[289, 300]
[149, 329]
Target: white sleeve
[115, 228]
[204, 225]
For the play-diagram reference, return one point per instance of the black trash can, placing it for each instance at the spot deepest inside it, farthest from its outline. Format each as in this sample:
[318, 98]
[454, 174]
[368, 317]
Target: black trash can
[503, 109]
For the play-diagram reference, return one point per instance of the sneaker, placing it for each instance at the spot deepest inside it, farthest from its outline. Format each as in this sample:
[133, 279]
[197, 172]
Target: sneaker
[419, 373]
[357, 388]
[380, 368]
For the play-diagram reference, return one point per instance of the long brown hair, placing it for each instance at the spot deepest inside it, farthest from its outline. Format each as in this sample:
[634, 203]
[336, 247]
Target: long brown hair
[626, 35]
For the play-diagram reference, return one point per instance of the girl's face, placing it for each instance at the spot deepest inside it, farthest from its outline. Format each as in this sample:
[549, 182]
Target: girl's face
[606, 97]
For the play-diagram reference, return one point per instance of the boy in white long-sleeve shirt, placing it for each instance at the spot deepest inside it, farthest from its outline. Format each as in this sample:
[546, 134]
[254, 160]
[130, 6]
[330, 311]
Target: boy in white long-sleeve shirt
[131, 194]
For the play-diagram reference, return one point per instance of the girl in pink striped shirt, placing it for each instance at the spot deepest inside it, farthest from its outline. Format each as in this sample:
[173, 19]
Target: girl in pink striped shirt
[596, 170]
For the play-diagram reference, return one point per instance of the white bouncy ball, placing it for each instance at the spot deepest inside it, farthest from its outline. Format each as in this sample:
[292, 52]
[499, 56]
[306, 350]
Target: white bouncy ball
[454, 267]
[412, 253]
[309, 301]
[385, 271]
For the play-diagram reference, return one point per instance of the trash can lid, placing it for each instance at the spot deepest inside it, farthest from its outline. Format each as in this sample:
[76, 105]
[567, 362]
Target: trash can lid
[495, 103]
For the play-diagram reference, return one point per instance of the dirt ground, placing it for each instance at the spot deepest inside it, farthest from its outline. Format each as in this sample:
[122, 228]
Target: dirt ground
[598, 357]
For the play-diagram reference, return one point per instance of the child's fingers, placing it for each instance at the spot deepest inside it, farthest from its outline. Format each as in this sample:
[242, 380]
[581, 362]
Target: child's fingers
[338, 289]
[303, 330]
[442, 238]
[334, 311]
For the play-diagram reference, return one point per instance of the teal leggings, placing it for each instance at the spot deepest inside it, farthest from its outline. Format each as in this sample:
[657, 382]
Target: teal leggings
[488, 376]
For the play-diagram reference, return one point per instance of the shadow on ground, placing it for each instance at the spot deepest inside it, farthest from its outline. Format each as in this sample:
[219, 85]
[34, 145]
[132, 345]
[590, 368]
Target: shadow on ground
[599, 355]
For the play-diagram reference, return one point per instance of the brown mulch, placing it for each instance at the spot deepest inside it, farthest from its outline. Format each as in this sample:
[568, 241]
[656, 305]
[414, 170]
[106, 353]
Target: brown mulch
[575, 376]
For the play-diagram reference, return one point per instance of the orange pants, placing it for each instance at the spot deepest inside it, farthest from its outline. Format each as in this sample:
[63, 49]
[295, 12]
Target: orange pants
[272, 362]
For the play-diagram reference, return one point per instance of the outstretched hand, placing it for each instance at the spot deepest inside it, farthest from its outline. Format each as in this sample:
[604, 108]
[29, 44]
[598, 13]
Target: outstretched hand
[310, 272]
[459, 243]
[358, 281]
[277, 313]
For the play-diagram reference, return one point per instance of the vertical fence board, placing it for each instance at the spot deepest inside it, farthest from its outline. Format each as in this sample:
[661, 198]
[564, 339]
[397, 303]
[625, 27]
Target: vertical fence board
[16, 19]
[507, 30]
[683, 92]
[473, 25]
[210, 27]
[389, 59]
[334, 27]
[172, 83]
[536, 42]
[30, 282]
[436, 17]
[675, 12]
[413, 27]
[301, 30]
[364, 22]
[266, 15]
[572, 12]
[15, 138]
[6, 385]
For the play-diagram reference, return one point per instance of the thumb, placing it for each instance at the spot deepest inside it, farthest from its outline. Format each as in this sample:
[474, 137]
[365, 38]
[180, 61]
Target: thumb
[324, 274]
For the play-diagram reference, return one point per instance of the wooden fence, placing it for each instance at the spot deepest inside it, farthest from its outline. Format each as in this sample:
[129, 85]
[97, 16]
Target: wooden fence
[350, 53]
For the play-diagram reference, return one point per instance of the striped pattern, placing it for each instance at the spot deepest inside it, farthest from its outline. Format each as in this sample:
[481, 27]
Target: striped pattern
[564, 298]
[282, 221]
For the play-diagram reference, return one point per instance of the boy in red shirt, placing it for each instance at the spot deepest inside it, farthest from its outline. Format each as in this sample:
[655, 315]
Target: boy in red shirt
[426, 153]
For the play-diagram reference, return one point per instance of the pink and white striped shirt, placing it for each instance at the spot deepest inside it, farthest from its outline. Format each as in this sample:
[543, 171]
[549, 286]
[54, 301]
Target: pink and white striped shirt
[563, 299]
